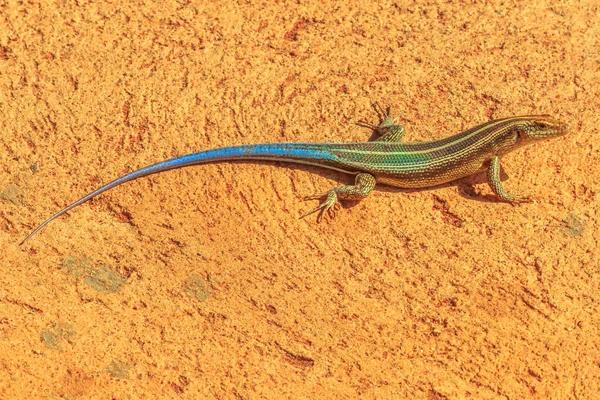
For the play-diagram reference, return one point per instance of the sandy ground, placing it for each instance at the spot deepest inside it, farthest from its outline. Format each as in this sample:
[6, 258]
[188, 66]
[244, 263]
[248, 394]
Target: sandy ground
[203, 283]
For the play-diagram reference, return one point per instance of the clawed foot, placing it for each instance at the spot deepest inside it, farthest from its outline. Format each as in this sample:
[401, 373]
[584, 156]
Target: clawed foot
[389, 130]
[386, 123]
[512, 199]
[329, 206]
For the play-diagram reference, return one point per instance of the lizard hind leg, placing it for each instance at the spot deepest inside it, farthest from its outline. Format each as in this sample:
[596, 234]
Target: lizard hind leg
[363, 186]
[389, 130]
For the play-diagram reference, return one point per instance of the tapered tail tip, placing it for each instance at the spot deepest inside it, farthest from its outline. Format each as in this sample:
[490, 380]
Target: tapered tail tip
[31, 235]
[24, 240]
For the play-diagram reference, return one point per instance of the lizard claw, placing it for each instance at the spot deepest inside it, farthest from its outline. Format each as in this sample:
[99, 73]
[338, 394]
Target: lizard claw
[314, 196]
[385, 117]
[514, 199]
[329, 206]
[520, 199]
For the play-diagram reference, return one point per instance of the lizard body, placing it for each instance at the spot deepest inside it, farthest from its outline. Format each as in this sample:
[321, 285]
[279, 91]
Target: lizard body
[384, 160]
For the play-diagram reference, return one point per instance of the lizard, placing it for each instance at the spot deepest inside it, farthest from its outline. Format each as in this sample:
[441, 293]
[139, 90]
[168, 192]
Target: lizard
[383, 160]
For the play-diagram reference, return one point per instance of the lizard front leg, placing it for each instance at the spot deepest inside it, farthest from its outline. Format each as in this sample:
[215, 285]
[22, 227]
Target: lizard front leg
[493, 175]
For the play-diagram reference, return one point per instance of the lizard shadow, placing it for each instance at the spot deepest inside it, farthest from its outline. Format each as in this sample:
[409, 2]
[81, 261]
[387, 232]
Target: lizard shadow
[465, 186]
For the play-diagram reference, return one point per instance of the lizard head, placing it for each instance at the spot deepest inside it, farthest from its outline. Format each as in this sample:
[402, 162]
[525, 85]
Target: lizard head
[520, 131]
[539, 127]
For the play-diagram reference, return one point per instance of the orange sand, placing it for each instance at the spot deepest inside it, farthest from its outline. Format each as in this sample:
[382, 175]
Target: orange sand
[203, 283]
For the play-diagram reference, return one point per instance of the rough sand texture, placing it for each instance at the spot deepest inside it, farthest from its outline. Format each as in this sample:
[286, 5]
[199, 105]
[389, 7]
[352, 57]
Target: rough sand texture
[203, 283]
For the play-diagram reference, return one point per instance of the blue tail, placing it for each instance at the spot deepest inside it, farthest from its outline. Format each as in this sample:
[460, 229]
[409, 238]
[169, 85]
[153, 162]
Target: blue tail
[305, 153]
[302, 153]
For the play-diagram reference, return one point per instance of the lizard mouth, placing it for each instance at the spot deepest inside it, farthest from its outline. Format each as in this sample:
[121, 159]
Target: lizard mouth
[562, 127]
